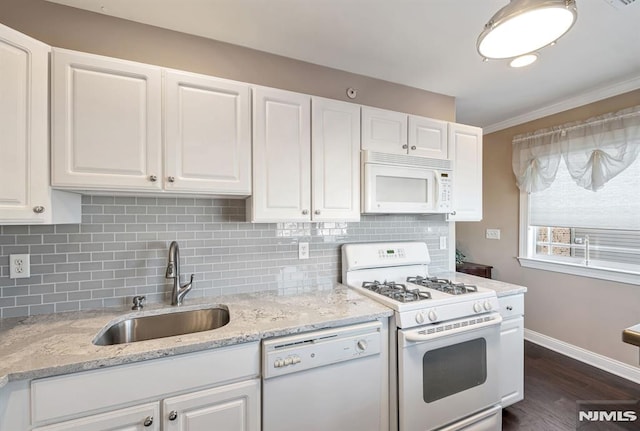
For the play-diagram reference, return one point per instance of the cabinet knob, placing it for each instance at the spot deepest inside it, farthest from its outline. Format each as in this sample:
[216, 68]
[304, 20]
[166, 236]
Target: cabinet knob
[38, 209]
[317, 212]
[305, 212]
[405, 146]
[148, 421]
[413, 147]
[171, 179]
[173, 415]
[452, 213]
[509, 307]
[153, 178]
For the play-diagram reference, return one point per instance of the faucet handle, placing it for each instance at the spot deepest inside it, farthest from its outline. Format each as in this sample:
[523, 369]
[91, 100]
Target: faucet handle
[188, 285]
[137, 302]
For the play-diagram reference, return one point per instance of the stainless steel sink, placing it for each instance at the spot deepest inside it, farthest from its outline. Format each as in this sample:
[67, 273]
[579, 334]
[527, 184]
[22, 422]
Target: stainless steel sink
[163, 325]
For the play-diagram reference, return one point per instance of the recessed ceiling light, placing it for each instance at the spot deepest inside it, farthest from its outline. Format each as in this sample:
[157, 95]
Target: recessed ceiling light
[524, 26]
[523, 60]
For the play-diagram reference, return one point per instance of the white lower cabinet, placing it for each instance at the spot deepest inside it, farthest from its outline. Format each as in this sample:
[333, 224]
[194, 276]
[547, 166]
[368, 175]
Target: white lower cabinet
[511, 349]
[234, 407]
[217, 389]
[143, 417]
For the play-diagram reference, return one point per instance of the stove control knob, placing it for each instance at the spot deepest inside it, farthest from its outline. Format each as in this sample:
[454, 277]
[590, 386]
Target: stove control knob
[432, 316]
[477, 307]
[420, 317]
[487, 305]
[362, 345]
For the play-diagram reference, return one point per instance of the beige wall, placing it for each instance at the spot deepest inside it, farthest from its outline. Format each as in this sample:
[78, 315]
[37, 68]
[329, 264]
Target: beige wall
[582, 311]
[80, 30]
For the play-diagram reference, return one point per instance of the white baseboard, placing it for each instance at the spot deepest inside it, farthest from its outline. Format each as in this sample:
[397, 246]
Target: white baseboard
[604, 363]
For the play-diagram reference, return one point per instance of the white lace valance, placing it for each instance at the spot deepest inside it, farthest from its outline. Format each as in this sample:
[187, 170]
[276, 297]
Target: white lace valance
[594, 151]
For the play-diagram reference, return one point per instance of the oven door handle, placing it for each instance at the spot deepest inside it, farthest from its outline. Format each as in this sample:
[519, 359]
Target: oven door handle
[422, 335]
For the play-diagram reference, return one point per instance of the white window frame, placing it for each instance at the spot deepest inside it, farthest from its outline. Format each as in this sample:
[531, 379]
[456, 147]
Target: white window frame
[526, 255]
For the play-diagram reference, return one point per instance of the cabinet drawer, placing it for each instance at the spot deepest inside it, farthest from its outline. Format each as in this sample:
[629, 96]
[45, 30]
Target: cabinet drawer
[129, 384]
[512, 305]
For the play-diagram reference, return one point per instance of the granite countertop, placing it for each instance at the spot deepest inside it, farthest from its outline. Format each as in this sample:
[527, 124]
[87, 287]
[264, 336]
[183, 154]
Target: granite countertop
[501, 288]
[54, 344]
[632, 335]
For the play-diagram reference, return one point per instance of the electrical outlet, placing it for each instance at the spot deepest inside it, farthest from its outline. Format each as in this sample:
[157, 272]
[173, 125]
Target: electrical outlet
[19, 266]
[303, 250]
[493, 234]
[443, 243]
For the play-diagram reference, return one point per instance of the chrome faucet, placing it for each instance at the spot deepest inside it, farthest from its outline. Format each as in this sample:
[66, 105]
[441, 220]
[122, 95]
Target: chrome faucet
[173, 271]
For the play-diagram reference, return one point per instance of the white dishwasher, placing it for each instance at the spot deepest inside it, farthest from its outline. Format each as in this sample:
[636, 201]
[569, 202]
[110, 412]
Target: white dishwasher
[327, 380]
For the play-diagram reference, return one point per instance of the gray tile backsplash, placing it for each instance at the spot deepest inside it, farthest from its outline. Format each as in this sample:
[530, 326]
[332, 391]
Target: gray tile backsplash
[120, 250]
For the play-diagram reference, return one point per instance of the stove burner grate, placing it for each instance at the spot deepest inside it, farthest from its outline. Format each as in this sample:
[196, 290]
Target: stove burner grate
[396, 291]
[443, 285]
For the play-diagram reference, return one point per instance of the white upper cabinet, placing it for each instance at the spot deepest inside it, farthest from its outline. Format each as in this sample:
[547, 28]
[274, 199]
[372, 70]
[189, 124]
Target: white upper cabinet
[108, 118]
[384, 131]
[465, 146]
[106, 123]
[428, 137]
[25, 195]
[335, 155]
[399, 133]
[281, 156]
[306, 158]
[207, 134]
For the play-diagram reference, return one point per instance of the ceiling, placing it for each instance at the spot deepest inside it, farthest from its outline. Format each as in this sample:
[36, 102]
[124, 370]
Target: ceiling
[427, 44]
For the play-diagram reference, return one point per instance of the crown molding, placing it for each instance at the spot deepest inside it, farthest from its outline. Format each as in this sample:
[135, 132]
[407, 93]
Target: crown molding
[570, 103]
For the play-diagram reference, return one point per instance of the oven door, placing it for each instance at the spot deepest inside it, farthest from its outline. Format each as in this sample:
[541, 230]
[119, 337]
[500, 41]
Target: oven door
[448, 372]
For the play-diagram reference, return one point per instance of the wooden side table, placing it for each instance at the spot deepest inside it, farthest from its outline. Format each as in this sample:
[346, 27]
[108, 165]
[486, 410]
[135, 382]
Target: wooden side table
[474, 269]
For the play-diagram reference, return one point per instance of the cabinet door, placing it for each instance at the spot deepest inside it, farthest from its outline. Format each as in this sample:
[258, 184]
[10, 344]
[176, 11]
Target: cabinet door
[281, 156]
[234, 407]
[145, 417]
[106, 123]
[428, 137]
[512, 360]
[207, 134]
[384, 131]
[24, 171]
[335, 155]
[465, 146]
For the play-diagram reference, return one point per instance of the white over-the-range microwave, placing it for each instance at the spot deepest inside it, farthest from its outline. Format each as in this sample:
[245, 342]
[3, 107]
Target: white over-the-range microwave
[403, 184]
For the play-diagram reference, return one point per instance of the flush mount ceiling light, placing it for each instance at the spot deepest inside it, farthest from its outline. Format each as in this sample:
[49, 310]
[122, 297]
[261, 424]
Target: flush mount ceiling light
[524, 26]
[524, 60]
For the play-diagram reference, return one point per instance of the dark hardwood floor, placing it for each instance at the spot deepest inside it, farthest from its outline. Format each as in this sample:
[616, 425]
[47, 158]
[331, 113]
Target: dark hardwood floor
[553, 383]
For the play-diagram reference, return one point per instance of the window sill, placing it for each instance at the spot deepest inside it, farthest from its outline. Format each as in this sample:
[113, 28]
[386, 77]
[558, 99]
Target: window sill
[618, 275]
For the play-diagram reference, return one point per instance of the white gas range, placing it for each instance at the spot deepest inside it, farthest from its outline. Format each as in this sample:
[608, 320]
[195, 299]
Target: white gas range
[445, 350]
